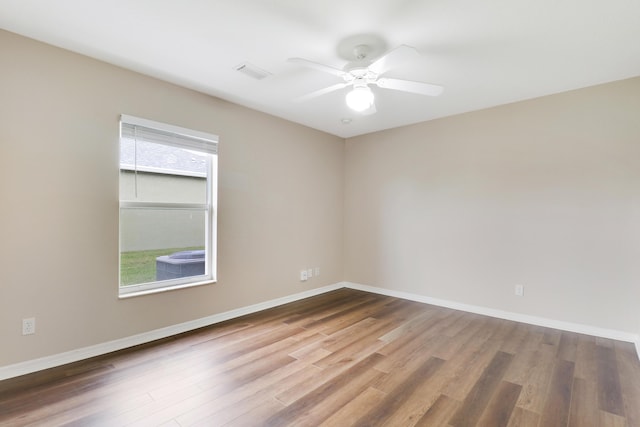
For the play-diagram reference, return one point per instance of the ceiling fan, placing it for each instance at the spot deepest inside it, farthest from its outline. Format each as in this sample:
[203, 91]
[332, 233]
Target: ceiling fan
[362, 73]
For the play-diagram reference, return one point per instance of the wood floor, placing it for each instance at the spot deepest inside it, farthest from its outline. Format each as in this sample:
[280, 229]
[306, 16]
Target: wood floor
[345, 358]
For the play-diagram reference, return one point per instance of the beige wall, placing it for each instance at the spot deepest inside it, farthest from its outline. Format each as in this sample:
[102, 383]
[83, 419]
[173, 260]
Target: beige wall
[544, 193]
[280, 202]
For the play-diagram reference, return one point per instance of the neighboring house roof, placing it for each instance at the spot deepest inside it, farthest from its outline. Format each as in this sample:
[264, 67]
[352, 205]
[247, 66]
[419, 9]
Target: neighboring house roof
[160, 158]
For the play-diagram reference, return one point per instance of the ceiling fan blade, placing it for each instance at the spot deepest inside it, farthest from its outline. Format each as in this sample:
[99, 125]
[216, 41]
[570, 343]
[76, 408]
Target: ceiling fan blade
[394, 58]
[409, 86]
[320, 92]
[317, 66]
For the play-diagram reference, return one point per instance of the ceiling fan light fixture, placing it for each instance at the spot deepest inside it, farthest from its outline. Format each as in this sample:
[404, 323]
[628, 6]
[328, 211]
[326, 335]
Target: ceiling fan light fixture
[360, 98]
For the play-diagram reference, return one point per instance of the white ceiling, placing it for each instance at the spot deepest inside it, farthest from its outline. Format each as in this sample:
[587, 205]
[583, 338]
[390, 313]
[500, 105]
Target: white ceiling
[484, 53]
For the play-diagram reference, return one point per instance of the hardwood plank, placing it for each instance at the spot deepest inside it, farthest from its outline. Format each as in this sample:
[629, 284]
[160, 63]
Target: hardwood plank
[232, 373]
[412, 325]
[584, 411]
[358, 346]
[365, 312]
[479, 396]
[332, 315]
[456, 324]
[426, 393]
[304, 384]
[170, 423]
[202, 375]
[402, 369]
[586, 363]
[362, 404]
[517, 339]
[401, 360]
[237, 377]
[346, 336]
[453, 369]
[394, 400]
[498, 411]
[629, 369]
[399, 310]
[552, 337]
[246, 341]
[605, 342]
[609, 391]
[80, 395]
[523, 418]
[165, 409]
[319, 403]
[469, 365]
[241, 413]
[568, 346]
[422, 326]
[439, 413]
[247, 418]
[610, 420]
[534, 375]
[416, 342]
[556, 410]
[240, 378]
[72, 414]
[315, 307]
[233, 403]
[215, 381]
[452, 345]
[500, 330]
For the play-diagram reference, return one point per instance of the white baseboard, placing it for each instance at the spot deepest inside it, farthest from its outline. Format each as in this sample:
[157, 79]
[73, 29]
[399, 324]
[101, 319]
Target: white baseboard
[507, 315]
[47, 362]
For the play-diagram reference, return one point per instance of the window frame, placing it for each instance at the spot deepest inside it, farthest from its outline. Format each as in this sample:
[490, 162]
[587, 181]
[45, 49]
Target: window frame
[209, 145]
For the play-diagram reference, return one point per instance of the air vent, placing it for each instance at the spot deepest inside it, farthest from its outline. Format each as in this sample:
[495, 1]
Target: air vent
[252, 71]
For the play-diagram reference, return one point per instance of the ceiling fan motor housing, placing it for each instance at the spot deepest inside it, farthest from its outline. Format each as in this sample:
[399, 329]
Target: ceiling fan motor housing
[361, 52]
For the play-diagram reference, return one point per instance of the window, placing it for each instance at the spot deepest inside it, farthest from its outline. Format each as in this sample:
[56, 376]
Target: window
[168, 192]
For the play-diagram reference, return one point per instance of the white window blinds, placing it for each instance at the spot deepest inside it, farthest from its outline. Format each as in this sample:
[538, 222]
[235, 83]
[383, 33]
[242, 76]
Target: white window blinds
[143, 130]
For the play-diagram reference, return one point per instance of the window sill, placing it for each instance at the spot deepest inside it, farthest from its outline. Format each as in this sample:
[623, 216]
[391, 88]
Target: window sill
[164, 289]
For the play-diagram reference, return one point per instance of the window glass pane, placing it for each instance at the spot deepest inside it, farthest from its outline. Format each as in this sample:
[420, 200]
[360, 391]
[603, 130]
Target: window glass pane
[150, 239]
[151, 172]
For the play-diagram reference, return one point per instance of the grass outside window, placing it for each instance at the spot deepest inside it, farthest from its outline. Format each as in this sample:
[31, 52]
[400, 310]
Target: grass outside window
[140, 266]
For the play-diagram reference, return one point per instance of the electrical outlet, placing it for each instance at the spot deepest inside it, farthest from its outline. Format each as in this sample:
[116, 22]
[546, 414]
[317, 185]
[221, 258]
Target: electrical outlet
[317, 271]
[310, 273]
[519, 290]
[29, 326]
[303, 276]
